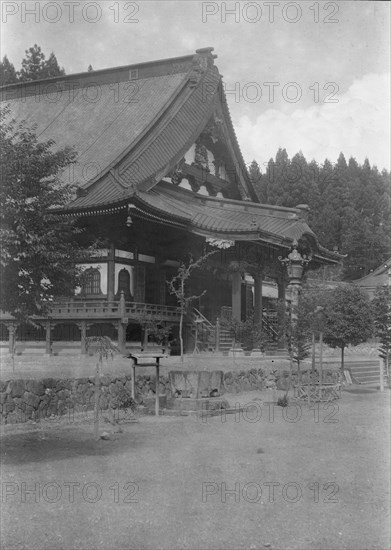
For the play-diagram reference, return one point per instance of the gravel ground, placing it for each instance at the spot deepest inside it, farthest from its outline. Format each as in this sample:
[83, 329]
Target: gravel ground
[187, 482]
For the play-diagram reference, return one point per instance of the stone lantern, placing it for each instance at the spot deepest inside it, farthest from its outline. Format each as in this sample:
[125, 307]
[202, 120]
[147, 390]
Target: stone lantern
[295, 263]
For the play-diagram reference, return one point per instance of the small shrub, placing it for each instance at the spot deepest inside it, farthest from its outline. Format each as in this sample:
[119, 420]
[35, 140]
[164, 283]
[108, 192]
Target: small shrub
[283, 401]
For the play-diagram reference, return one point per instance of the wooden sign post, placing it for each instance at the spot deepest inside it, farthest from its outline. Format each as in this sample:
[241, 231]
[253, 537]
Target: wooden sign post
[135, 363]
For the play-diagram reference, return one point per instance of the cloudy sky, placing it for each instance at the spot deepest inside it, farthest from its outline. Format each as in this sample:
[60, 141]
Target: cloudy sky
[309, 76]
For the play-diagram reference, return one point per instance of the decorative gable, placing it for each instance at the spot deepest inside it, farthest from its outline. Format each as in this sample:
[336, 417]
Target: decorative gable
[207, 167]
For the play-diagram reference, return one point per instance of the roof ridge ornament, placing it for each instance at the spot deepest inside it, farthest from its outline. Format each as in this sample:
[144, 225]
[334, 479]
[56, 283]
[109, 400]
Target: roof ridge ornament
[201, 62]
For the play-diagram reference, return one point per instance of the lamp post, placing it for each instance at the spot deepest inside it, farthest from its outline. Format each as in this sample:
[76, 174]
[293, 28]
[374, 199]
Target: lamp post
[295, 263]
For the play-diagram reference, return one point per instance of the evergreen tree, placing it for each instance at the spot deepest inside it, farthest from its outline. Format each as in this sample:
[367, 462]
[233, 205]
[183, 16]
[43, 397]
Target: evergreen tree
[258, 182]
[52, 68]
[39, 249]
[32, 65]
[366, 232]
[303, 188]
[278, 178]
[314, 200]
[36, 67]
[7, 72]
[350, 205]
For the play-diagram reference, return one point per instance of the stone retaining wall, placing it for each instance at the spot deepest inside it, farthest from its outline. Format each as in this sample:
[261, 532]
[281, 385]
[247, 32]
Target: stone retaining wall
[23, 400]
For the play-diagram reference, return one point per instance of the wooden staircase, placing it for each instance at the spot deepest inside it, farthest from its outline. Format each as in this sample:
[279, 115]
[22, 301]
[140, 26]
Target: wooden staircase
[365, 372]
[204, 334]
[225, 343]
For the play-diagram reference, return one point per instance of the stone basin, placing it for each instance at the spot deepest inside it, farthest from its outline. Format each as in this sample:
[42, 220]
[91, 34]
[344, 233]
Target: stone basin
[196, 384]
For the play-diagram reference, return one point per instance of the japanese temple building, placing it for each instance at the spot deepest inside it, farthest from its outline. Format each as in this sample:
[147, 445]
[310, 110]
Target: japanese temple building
[381, 276]
[160, 175]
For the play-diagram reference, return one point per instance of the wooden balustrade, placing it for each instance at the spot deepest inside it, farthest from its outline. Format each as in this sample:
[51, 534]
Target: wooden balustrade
[110, 310]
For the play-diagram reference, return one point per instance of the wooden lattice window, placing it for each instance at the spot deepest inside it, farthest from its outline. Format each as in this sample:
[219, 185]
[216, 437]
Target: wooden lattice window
[91, 281]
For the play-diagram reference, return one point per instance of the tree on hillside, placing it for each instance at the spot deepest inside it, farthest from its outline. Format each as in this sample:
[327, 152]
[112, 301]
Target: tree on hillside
[278, 184]
[334, 201]
[7, 72]
[349, 318]
[302, 181]
[258, 181]
[381, 310]
[39, 249]
[350, 204]
[366, 230]
[52, 67]
[35, 66]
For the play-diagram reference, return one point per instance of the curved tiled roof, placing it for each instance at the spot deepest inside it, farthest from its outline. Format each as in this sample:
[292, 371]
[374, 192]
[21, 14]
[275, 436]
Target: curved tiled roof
[224, 216]
[101, 130]
[130, 126]
[379, 277]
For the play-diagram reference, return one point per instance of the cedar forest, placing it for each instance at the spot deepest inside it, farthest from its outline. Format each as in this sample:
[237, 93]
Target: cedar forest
[350, 204]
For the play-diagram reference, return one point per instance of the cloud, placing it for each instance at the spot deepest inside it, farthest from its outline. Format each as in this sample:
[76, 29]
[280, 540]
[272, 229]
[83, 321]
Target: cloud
[357, 125]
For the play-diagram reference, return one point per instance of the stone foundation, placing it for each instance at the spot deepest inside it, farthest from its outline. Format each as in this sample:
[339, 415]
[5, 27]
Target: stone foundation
[23, 400]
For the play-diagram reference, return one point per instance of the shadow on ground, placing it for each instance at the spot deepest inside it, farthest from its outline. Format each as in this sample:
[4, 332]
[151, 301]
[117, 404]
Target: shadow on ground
[62, 444]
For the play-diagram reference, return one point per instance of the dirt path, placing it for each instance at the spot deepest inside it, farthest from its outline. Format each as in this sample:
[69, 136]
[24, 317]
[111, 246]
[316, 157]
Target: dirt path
[162, 483]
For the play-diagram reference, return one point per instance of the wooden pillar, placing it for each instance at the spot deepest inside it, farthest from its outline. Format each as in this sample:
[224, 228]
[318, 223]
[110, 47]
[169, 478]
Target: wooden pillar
[83, 329]
[111, 273]
[48, 347]
[236, 295]
[281, 289]
[11, 338]
[162, 285]
[258, 298]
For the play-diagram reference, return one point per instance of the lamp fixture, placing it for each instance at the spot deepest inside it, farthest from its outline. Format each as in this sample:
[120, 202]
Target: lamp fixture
[129, 220]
